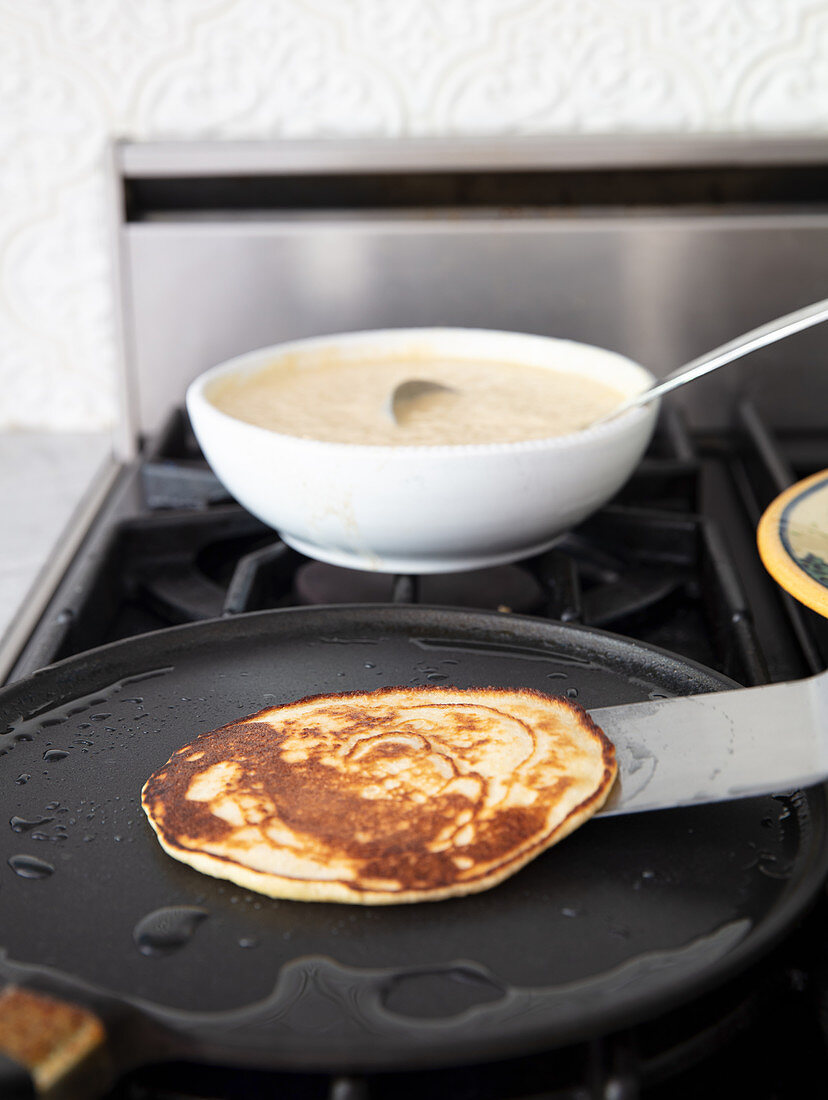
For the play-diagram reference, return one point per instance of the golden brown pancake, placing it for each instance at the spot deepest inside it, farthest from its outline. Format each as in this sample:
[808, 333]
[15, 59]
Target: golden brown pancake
[396, 795]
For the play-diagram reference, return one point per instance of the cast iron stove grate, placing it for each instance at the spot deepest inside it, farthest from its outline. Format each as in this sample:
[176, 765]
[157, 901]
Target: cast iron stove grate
[174, 549]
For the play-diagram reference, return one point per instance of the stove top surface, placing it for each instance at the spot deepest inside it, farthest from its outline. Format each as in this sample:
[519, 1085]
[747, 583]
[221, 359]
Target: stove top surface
[671, 563]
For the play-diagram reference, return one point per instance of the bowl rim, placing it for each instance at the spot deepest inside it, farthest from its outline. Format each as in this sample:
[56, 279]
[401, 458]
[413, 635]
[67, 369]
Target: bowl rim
[625, 422]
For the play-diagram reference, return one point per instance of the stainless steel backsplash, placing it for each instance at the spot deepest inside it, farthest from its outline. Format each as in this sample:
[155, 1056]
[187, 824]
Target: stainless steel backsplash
[659, 250]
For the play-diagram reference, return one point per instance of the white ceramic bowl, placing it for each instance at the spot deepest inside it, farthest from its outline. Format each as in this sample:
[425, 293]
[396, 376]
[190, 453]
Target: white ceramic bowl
[425, 509]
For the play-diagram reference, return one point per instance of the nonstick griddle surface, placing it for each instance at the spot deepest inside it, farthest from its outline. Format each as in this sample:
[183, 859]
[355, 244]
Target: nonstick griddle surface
[627, 917]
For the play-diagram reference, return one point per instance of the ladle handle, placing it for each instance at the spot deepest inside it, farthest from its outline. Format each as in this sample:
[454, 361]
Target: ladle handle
[759, 337]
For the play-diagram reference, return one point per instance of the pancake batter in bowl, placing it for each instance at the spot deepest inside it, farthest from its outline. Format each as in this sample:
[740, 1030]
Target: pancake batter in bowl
[343, 401]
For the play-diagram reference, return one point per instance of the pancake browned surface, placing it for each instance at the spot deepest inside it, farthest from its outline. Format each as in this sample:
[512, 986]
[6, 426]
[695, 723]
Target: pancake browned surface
[396, 795]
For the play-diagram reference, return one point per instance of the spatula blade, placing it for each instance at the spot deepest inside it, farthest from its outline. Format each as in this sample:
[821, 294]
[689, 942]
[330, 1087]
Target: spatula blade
[718, 746]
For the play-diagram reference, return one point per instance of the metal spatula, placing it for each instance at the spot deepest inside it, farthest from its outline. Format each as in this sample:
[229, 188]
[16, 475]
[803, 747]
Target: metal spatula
[718, 746]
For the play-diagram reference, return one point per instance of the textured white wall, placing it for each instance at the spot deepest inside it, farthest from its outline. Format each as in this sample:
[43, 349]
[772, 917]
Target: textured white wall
[74, 72]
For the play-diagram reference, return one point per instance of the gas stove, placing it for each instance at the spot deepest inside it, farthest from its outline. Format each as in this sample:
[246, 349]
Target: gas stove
[671, 562]
[308, 240]
[657, 564]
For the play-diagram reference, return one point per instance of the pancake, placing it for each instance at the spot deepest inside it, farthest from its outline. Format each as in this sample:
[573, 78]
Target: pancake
[396, 795]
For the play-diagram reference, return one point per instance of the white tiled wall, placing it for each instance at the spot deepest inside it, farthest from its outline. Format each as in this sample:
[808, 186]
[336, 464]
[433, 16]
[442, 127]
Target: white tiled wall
[73, 72]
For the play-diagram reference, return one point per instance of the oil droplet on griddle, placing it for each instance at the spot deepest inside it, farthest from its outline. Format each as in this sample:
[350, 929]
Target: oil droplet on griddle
[30, 867]
[168, 929]
[23, 825]
[23, 778]
[772, 867]
[52, 755]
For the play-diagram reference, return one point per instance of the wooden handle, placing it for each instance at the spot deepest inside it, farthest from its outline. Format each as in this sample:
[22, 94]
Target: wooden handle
[60, 1045]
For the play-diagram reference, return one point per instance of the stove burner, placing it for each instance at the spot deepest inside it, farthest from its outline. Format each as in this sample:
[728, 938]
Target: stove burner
[497, 588]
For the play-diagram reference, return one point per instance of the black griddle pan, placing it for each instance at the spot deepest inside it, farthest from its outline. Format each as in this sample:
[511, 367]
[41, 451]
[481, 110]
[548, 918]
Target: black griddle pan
[626, 919]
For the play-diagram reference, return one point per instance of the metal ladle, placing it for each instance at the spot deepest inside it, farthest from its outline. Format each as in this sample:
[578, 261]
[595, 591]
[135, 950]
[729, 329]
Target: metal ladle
[759, 337]
[410, 390]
